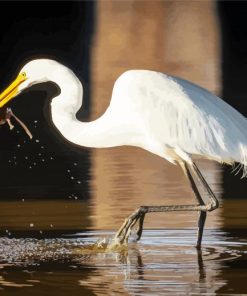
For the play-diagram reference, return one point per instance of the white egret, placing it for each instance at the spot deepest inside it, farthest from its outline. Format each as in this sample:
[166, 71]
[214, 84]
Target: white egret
[168, 116]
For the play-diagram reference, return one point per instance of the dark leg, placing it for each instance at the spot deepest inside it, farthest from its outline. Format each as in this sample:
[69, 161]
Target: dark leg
[140, 227]
[202, 215]
[201, 222]
[213, 201]
[125, 230]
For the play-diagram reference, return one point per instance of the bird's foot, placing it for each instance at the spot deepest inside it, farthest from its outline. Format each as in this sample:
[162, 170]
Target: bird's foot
[127, 229]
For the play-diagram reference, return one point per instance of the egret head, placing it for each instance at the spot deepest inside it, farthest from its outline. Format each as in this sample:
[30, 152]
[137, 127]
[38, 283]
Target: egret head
[33, 72]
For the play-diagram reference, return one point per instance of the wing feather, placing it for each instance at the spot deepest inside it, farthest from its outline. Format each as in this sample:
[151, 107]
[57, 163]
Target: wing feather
[179, 114]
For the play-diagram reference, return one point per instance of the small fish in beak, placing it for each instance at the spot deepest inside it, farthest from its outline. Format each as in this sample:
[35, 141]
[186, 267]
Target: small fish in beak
[5, 117]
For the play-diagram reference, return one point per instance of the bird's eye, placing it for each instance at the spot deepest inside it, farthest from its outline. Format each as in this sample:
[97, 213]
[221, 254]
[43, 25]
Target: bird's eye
[24, 74]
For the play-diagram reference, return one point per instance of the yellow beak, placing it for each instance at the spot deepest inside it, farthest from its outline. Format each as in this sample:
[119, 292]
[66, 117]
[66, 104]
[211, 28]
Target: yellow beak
[11, 91]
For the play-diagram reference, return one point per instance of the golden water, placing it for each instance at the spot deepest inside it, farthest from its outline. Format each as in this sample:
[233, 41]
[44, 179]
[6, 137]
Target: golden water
[62, 259]
[47, 246]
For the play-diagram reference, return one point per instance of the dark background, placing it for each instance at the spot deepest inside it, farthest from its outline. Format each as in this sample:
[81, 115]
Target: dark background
[58, 30]
[232, 16]
[64, 31]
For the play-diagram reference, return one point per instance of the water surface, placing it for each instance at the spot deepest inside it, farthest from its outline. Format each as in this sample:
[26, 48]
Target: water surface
[45, 244]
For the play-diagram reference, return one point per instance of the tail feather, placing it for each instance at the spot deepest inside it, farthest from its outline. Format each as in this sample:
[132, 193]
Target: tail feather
[243, 161]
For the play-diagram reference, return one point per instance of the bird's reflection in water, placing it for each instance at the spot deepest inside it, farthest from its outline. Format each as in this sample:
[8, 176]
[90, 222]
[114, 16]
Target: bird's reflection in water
[162, 262]
[201, 269]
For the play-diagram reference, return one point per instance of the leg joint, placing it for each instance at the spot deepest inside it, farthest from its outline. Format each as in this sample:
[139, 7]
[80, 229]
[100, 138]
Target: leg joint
[212, 205]
[143, 209]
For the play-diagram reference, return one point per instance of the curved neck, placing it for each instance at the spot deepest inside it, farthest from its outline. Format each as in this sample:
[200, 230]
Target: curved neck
[99, 133]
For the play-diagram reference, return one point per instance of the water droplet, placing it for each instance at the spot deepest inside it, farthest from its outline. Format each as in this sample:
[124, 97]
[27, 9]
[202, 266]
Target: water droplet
[68, 171]
[51, 225]
[43, 159]
[23, 200]
[72, 178]
[30, 167]
[79, 182]
[75, 163]
[26, 157]
[6, 230]
[14, 157]
[41, 231]
[76, 197]
[42, 147]
[15, 163]
[35, 121]
[9, 161]
[37, 141]
[51, 158]
[31, 225]
[34, 163]
[39, 154]
[18, 145]
[17, 132]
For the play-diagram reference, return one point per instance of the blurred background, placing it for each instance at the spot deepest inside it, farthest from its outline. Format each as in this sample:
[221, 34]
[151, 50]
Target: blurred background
[53, 186]
[55, 197]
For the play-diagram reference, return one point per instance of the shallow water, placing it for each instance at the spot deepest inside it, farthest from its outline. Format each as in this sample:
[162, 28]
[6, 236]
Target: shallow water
[46, 241]
[52, 212]
[56, 201]
[45, 247]
[164, 261]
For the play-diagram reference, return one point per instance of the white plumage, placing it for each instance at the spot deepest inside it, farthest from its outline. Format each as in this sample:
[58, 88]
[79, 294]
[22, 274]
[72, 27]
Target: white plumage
[165, 115]
[175, 115]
